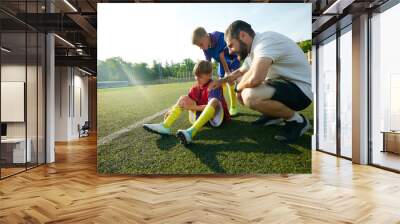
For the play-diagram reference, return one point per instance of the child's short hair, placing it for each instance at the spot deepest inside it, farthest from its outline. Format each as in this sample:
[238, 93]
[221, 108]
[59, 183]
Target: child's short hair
[202, 67]
[198, 33]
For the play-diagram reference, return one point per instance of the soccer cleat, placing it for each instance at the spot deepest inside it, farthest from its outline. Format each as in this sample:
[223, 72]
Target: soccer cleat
[233, 111]
[292, 130]
[267, 121]
[184, 136]
[157, 128]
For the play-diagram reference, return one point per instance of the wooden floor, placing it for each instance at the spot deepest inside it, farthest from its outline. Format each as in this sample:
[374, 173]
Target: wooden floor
[10, 171]
[70, 191]
[387, 159]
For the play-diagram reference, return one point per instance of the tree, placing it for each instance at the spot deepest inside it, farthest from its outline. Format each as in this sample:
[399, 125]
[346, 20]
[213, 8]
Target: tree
[116, 69]
[305, 45]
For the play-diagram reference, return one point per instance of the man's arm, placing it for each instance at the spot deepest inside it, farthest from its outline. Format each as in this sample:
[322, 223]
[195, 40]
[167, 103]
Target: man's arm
[256, 74]
[229, 78]
[233, 75]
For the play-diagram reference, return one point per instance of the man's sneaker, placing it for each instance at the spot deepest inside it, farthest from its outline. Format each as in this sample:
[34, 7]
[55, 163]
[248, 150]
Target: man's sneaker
[233, 111]
[157, 128]
[184, 136]
[293, 130]
[266, 121]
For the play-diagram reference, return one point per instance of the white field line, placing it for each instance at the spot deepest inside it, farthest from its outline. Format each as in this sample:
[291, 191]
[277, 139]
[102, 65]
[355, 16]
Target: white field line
[118, 133]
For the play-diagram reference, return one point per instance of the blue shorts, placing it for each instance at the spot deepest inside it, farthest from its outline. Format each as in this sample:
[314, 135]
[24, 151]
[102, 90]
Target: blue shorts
[232, 65]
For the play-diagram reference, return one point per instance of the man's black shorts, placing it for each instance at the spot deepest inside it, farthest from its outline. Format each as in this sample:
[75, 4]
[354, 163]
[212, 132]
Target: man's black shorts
[289, 94]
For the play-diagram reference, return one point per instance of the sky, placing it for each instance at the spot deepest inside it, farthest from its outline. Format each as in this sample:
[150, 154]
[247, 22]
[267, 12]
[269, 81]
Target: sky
[149, 31]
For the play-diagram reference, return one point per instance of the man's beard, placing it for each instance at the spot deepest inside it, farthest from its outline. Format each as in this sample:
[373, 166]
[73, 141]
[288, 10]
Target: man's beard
[243, 51]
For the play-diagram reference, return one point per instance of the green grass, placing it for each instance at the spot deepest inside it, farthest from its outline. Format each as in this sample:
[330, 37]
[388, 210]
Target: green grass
[235, 148]
[120, 107]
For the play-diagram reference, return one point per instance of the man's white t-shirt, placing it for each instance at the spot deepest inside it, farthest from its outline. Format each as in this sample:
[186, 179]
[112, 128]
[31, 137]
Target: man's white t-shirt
[288, 60]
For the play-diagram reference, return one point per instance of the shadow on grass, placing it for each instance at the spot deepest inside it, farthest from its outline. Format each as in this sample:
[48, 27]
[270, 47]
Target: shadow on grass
[240, 114]
[167, 142]
[235, 136]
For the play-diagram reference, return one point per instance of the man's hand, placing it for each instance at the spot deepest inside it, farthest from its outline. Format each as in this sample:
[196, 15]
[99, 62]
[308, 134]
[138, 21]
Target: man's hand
[229, 78]
[235, 75]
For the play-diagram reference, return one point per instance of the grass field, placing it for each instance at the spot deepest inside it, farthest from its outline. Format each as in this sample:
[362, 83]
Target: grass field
[235, 148]
[119, 107]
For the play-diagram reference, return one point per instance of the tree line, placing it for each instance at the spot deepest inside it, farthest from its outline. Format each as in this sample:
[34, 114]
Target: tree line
[116, 69]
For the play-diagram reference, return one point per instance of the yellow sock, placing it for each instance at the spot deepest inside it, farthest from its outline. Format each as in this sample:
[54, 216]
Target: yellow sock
[224, 87]
[205, 116]
[232, 95]
[173, 115]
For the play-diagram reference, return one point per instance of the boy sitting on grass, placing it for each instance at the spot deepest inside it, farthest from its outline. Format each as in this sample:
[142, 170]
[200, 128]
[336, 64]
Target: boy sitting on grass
[203, 103]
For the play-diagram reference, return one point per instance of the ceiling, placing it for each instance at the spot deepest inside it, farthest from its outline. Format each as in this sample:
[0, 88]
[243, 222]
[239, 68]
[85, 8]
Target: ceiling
[75, 21]
[329, 15]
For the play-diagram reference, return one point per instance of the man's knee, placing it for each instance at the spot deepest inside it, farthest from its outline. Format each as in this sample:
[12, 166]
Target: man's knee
[249, 97]
[252, 96]
[239, 98]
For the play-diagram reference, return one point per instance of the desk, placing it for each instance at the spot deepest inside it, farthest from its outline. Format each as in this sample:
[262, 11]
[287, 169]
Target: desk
[391, 141]
[15, 148]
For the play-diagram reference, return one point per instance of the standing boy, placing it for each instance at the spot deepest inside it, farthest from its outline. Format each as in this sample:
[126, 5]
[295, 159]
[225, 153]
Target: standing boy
[214, 46]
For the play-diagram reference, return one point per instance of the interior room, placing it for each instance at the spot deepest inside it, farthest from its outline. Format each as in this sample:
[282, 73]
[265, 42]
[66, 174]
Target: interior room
[385, 87]
[22, 100]
[44, 86]
[48, 150]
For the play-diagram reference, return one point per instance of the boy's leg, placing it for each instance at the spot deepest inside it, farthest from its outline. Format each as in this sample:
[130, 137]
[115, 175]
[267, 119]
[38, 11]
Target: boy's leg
[232, 97]
[231, 90]
[176, 111]
[206, 115]
[233, 110]
[173, 115]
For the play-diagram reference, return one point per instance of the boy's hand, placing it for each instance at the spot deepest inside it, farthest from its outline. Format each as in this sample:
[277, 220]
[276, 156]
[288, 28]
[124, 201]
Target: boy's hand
[185, 104]
[230, 78]
[166, 114]
[216, 84]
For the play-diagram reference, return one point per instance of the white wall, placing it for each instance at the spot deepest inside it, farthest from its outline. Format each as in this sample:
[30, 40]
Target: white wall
[34, 124]
[12, 73]
[81, 81]
[70, 83]
[62, 82]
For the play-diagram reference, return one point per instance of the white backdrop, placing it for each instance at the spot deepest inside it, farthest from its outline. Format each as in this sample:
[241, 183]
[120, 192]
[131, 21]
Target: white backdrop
[12, 101]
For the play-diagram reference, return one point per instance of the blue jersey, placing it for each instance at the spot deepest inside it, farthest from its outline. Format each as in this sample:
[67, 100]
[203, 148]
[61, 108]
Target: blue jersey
[218, 45]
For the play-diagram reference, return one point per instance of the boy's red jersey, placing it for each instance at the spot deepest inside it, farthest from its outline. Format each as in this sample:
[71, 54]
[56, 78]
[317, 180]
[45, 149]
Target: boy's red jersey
[202, 94]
